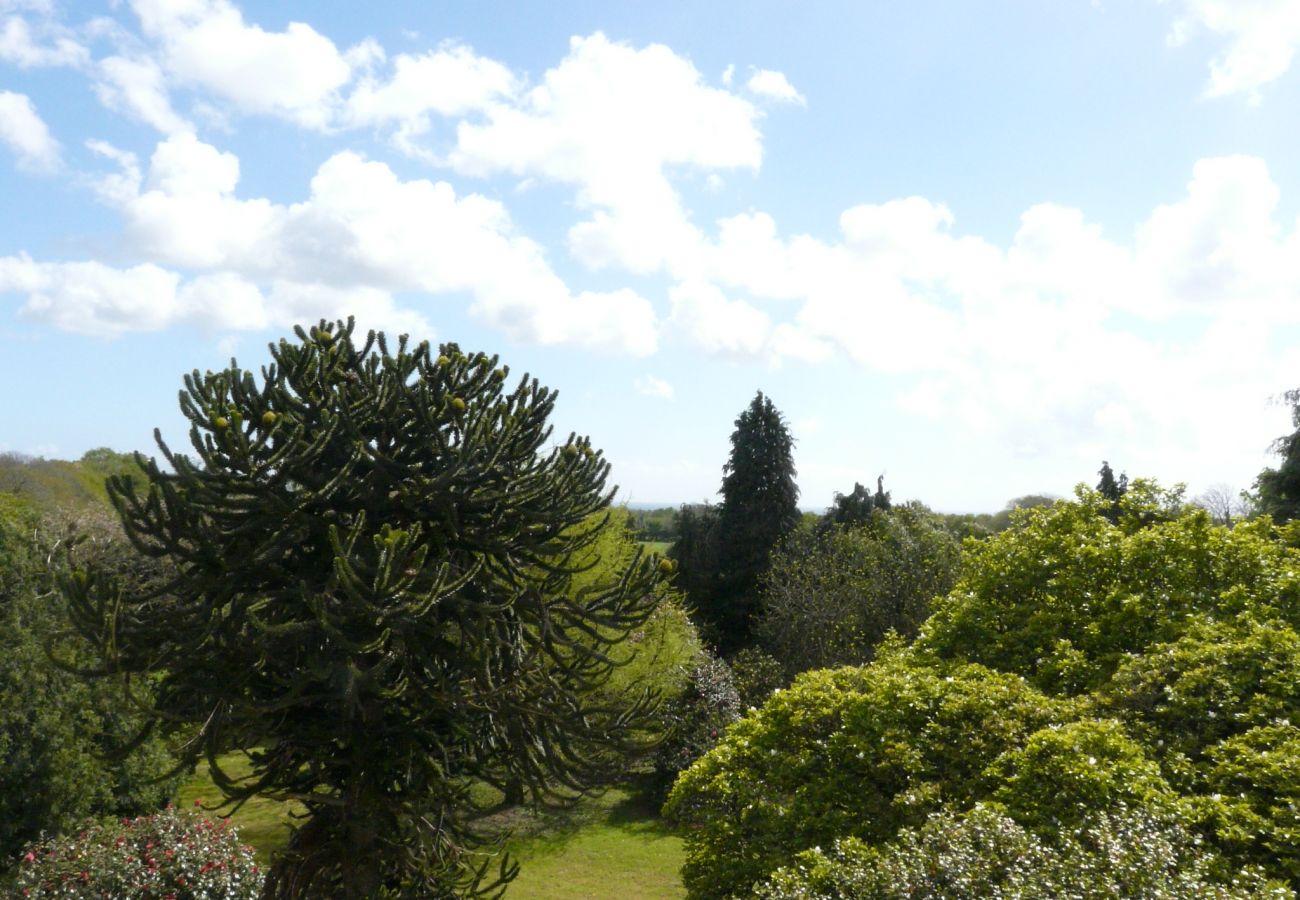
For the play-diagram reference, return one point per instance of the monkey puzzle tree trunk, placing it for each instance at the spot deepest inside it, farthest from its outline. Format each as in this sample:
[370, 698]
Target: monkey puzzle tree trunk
[374, 553]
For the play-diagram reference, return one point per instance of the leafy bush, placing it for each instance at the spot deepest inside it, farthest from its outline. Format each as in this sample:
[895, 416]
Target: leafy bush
[756, 675]
[829, 598]
[1151, 661]
[59, 733]
[848, 752]
[1129, 853]
[1064, 597]
[170, 854]
[695, 720]
[1065, 773]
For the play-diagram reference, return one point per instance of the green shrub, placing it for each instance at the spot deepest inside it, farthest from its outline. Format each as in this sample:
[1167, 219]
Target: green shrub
[175, 854]
[756, 675]
[1129, 853]
[1064, 596]
[1251, 801]
[1065, 773]
[60, 734]
[695, 720]
[829, 598]
[848, 752]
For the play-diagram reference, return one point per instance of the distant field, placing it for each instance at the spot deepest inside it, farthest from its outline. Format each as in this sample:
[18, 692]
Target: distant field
[608, 846]
[660, 547]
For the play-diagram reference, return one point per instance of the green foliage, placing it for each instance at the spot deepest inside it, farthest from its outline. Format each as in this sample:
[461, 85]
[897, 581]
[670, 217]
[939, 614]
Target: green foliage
[1125, 853]
[829, 599]
[695, 551]
[1278, 490]
[759, 509]
[1079, 664]
[693, 722]
[856, 507]
[378, 598]
[1064, 773]
[62, 738]
[1112, 489]
[655, 525]
[756, 675]
[56, 485]
[181, 855]
[1065, 595]
[848, 752]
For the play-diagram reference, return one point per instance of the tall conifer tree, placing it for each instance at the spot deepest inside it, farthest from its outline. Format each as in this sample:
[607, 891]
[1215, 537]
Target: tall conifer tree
[759, 508]
[373, 602]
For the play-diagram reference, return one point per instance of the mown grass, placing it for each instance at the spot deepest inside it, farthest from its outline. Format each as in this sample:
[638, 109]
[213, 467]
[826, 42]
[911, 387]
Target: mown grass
[262, 823]
[609, 845]
[613, 845]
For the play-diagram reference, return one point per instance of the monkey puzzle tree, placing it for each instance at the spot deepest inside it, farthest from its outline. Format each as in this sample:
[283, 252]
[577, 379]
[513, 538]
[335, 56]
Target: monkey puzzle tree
[374, 557]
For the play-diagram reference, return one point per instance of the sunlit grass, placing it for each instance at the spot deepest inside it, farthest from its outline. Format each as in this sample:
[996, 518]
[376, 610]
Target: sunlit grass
[611, 845]
[262, 823]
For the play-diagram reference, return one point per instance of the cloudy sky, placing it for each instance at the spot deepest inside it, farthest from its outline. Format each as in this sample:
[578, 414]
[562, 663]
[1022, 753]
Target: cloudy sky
[976, 245]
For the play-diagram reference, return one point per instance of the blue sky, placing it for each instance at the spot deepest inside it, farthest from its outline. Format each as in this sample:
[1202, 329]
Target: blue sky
[978, 246]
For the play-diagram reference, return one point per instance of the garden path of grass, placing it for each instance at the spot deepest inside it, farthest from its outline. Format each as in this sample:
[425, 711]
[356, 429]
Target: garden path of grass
[607, 846]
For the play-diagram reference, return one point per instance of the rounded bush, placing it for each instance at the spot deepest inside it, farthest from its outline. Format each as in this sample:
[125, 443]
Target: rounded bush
[182, 855]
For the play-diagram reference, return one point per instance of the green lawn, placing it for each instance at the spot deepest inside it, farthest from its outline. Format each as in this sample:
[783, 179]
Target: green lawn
[612, 845]
[660, 547]
[262, 823]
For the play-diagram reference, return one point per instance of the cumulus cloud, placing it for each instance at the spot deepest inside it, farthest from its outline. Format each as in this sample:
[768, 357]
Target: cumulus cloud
[48, 46]
[361, 236]
[296, 73]
[451, 81]
[774, 86]
[137, 87]
[92, 298]
[612, 120]
[1262, 39]
[1041, 340]
[26, 135]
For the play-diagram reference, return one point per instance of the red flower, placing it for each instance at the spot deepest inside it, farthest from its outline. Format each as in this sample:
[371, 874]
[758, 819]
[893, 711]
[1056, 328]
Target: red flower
[30, 857]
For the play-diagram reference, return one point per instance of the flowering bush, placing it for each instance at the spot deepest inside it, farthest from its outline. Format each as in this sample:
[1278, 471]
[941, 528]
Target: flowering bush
[173, 855]
[696, 720]
[1126, 853]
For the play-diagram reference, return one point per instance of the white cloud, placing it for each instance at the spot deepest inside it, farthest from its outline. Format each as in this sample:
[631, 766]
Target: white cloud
[651, 386]
[91, 298]
[138, 87]
[52, 47]
[1041, 343]
[703, 316]
[361, 236]
[95, 299]
[296, 73]
[24, 132]
[774, 86]
[1262, 35]
[452, 81]
[612, 120]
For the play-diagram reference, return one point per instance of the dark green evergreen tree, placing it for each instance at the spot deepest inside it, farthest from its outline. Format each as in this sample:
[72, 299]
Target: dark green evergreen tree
[1278, 490]
[759, 508]
[1112, 489]
[695, 551]
[375, 557]
[855, 508]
